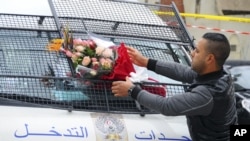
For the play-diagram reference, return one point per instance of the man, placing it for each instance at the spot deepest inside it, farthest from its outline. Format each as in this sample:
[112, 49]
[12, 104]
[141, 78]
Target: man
[209, 103]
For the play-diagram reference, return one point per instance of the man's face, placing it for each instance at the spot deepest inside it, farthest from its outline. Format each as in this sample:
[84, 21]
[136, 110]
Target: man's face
[198, 56]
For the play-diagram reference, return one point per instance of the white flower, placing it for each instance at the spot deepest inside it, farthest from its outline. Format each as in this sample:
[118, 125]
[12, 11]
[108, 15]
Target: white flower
[93, 72]
[95, 64]
[106, 64]
[80, 48]
[86, 60]
[99, 50]
[74, 58]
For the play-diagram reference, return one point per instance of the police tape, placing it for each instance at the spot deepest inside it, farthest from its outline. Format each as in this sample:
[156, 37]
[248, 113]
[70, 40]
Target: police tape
[211, 17]
[219, 30]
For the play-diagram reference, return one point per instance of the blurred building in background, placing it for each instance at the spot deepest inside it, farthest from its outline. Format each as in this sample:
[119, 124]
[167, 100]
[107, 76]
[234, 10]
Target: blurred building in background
[237, 32]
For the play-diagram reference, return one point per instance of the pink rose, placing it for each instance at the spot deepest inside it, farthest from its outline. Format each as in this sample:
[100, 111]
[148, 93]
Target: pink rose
[86, 60]
[102, 60]
[109, 60]
[84, 43]
[93, 59]
[77, 41]
[107, 53]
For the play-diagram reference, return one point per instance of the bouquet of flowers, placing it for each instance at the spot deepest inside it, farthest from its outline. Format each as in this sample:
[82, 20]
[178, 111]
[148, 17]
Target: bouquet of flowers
[98, 58]
[95, 57]
[90, 60]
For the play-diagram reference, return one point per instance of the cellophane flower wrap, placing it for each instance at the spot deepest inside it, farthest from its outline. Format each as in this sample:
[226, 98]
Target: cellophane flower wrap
[94, 58]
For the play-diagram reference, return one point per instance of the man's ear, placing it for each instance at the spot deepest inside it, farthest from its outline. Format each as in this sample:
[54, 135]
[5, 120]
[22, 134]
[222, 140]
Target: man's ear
[210, 58]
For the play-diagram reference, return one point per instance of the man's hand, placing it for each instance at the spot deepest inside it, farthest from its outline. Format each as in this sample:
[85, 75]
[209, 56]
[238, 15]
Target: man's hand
[120, 88]
[136, 57]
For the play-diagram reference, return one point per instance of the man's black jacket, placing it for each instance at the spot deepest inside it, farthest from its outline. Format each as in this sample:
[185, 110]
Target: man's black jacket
[209, 104]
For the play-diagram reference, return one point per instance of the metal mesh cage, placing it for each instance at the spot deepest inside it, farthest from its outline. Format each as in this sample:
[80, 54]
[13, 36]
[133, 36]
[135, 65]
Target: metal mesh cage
[30, 75]
[75, 94]
[120, 18]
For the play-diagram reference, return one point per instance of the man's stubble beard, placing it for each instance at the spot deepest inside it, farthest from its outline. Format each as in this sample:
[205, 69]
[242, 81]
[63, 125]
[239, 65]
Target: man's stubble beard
[198, 67]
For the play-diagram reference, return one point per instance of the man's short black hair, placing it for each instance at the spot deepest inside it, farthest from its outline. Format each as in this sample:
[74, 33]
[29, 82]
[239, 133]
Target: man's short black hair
[219, 46]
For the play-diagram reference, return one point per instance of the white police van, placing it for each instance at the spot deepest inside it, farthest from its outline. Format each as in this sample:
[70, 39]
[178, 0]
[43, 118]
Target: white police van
[39, 102]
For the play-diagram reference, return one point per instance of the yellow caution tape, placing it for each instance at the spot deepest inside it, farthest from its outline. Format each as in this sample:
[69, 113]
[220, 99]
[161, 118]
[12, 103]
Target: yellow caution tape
[212, 17]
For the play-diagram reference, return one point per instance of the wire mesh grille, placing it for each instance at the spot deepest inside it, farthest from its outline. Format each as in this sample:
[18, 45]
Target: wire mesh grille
[31, 75]
[26, 22]
[121, 18]
[76, 94]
